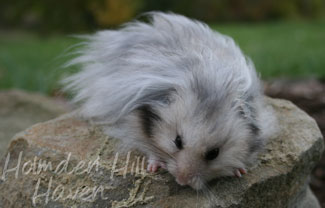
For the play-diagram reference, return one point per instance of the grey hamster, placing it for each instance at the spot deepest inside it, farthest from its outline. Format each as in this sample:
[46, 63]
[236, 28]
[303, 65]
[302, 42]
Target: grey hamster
[176, 90]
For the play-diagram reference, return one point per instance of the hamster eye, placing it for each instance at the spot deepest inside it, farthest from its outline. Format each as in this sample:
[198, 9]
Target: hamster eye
[212, 154]
[178, 142]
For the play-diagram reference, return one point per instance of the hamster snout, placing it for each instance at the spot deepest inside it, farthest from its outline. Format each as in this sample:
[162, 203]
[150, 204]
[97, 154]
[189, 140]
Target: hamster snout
[176, 90]
[188, 169]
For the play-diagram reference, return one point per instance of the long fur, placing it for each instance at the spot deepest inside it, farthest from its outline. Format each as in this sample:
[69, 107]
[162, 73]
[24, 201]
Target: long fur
[178, 64]
[120, 68]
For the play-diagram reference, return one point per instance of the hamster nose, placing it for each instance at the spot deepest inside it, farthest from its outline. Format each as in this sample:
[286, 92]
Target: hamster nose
[183, 179]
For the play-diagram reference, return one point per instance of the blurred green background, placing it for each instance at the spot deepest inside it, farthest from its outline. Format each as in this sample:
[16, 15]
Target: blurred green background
[285, 38]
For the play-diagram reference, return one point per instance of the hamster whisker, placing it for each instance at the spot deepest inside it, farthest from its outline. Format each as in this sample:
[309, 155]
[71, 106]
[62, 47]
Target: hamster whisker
[209, 193]
[197, 198]
[158, 151]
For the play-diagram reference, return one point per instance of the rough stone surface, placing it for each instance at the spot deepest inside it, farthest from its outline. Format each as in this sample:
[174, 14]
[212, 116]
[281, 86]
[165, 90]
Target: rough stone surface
[280, 178]
[306, 94]
[19, 110]
[309, 95]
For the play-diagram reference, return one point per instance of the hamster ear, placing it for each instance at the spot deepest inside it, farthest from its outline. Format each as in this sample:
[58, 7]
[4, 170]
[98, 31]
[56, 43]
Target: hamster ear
[248, 112]
[148, 117]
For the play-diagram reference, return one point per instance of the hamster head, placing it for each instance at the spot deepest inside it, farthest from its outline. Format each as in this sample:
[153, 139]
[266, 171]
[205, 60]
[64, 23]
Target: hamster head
[200, 138]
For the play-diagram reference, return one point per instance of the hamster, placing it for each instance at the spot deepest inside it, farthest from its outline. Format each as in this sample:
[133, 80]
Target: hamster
[181, 93]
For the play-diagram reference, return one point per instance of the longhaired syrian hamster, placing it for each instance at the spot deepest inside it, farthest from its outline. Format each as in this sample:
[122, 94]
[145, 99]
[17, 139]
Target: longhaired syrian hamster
[176, 90]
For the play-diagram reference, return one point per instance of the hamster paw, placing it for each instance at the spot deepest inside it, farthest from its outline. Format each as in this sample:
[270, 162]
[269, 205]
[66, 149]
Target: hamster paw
[239, 172]
[154, 165]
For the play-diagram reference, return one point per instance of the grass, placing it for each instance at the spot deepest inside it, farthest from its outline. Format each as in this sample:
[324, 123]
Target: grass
[32, 63]
[281, 49]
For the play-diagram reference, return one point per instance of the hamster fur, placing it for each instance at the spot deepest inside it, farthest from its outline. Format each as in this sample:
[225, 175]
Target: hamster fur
[176, 90]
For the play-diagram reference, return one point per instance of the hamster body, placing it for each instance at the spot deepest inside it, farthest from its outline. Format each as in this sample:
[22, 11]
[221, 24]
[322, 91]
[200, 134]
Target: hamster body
[176, 90]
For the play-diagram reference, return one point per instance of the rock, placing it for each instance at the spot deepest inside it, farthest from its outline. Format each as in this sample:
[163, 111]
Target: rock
[79, 167]
[309, 95]
[19, 110]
